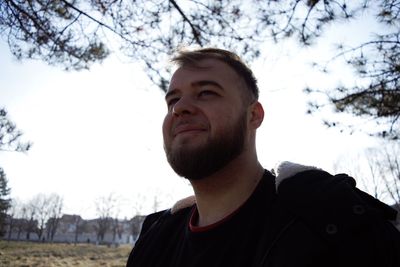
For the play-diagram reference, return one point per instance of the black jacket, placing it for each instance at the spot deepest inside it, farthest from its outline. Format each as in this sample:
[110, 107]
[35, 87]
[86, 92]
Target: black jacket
[316, 219]
[333, 223]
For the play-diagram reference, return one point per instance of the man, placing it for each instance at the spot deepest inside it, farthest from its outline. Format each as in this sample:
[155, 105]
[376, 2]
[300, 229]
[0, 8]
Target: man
[241, 214]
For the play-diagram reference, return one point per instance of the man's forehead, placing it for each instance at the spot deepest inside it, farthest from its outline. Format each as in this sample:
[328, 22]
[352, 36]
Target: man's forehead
[204, 69]
[202, 63]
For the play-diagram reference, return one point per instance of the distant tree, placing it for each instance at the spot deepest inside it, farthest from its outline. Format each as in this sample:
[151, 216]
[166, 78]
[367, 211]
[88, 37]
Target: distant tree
[375, 184]
[10, 140]
[20, 217]
[366, 168]
[138, 204]
[48, 211]
[18, 220]
[390, 163]
[80, 227]
[13, 212]
[117, 230]
[106, 207]
[31, 224]
[40, 215]
[55, 207]
[136, 225]
[5, 202]
[378, 169]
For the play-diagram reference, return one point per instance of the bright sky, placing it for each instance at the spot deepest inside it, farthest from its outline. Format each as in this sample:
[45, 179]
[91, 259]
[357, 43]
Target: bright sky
[98, 132]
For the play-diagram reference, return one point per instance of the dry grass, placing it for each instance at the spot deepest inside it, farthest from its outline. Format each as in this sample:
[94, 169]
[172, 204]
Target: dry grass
[26, 254]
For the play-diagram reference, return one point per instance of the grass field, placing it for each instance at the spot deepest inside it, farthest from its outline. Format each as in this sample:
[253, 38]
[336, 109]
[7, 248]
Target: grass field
[27, 254]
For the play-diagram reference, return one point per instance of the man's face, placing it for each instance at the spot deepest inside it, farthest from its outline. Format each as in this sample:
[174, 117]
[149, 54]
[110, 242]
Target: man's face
[206, 124]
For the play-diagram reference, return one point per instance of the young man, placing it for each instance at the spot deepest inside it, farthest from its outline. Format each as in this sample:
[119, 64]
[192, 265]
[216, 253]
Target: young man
[241, 214]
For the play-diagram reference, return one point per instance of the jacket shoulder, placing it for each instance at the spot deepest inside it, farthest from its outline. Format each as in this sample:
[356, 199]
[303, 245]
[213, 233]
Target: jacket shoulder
[355, 225]
[332, 204]
[152, 219]
[164, 217]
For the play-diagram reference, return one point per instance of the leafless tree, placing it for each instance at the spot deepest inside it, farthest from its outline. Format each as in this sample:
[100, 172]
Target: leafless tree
[31, 224]
[40, 205]
[375, 183]
[107, 208]
[48, 210]
[391, 163]
[138, 204]
[21, 219]
[55, 206]
[365, 167]
[136, 225]
[80, 226]
[378, 170]
[13, 212]
[117, 230]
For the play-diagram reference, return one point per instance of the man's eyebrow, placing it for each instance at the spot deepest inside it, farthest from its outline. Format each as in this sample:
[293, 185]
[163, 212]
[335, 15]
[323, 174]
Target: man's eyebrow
[171, 93]
[207, 82]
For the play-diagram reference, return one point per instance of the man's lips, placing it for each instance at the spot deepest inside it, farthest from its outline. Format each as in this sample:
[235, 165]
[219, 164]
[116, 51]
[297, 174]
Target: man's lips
[187, 128]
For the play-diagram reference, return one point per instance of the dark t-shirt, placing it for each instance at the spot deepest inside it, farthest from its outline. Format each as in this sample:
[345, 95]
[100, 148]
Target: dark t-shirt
[233, 242]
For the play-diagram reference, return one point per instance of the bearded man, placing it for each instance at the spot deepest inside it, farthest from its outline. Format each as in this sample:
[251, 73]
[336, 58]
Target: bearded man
[242, 214]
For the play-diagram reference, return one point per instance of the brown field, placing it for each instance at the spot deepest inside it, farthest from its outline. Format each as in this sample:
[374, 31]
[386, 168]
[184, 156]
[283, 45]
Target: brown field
[27, 254]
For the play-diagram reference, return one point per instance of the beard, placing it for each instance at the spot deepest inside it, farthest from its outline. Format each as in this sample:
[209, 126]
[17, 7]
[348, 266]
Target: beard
[200, 162]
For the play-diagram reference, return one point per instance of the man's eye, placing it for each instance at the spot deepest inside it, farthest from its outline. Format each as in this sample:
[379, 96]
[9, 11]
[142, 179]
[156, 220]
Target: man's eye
[207, 92]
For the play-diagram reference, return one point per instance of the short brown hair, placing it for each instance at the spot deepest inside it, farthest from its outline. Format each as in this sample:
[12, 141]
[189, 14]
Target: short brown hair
[192, 57]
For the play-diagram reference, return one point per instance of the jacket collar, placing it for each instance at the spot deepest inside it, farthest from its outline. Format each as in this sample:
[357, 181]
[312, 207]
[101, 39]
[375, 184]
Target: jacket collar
[284, 170]
[287, 169]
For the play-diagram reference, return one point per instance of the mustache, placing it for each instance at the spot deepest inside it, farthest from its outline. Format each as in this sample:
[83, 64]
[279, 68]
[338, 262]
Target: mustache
[188, 125]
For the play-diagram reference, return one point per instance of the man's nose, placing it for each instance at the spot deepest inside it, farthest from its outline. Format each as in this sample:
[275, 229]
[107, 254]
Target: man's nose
[183, 106]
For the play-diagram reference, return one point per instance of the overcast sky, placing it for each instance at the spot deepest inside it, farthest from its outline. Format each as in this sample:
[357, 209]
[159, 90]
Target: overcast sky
[98, 132]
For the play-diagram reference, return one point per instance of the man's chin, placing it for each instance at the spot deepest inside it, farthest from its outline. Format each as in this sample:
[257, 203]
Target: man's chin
[187, 145]
[195, 175]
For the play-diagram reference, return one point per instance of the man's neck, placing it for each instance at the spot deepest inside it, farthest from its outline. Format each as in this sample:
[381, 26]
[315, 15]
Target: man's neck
[222, 193]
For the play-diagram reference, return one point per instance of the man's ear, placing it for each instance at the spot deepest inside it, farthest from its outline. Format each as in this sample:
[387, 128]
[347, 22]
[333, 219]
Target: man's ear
[256, 115]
